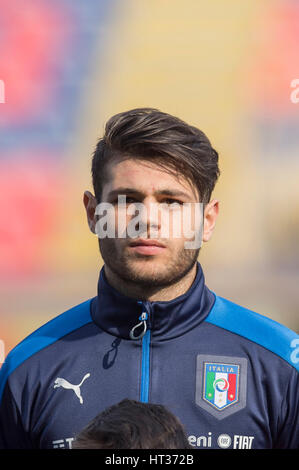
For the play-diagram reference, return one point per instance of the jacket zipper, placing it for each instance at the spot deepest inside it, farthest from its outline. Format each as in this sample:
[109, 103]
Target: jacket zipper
[145, 367]
[145, 359]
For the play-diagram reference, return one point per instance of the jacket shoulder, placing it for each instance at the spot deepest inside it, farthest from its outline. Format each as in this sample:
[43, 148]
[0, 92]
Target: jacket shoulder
[257, 328]
[47, 334]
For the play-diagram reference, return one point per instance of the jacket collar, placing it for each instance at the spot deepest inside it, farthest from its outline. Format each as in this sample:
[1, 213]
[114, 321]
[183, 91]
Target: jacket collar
[118, 314]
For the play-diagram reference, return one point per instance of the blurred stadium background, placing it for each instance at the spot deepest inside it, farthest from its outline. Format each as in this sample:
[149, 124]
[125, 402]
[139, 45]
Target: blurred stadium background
[225, 67]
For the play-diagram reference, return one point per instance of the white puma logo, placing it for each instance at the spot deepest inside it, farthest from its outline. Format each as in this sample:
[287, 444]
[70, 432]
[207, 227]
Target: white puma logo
[60, 382]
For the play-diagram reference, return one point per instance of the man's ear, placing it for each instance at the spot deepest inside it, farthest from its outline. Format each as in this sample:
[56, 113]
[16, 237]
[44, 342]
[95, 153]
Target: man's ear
[210, 215]
[90, 204]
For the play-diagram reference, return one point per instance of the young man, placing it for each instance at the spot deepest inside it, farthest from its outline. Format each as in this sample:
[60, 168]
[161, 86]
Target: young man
[154, 332]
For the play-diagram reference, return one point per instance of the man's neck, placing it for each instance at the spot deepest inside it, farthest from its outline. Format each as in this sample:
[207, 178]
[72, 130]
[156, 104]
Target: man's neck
[153, 294]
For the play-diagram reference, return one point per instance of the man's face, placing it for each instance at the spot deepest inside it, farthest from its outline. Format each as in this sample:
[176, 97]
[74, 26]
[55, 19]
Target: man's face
[131, 260]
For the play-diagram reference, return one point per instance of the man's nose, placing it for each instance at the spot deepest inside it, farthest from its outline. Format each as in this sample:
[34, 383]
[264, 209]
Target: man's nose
[149, 216]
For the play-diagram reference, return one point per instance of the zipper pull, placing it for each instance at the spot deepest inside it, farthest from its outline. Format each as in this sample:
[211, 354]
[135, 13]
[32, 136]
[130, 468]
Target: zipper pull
[143, 317]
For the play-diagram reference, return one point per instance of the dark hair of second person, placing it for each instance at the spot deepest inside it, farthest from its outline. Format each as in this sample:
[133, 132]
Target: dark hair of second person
[133, 425]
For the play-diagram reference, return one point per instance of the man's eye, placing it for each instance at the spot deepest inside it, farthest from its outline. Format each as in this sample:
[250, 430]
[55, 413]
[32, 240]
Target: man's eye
[129, 200]
[172, 201]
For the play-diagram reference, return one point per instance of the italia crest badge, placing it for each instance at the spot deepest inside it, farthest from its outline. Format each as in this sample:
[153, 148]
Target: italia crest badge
[221, 383]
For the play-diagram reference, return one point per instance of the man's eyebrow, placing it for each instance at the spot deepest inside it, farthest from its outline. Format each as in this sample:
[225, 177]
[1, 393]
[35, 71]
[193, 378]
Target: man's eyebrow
[164, 192]
[174, 193]
[121, 190]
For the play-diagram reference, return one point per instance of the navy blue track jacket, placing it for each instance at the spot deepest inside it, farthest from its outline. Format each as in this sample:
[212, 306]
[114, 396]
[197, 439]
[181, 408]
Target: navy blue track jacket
[228, 373]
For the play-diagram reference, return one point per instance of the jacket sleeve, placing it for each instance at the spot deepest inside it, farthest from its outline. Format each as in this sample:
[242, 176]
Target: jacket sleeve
[12, 434]
[288, 433]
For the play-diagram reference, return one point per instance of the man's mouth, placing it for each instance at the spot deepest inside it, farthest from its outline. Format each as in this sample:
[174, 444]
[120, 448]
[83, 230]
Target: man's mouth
[146, 247]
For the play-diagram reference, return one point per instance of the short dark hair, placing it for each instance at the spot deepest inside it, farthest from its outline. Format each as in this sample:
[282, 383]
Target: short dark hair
[149, 134]
[133, 425]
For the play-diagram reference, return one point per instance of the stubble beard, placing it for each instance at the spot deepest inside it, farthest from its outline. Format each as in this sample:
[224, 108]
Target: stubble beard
[142, 270]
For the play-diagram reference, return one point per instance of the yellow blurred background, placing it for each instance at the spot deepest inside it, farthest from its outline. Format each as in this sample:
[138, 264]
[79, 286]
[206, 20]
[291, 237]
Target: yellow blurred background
[225, 67]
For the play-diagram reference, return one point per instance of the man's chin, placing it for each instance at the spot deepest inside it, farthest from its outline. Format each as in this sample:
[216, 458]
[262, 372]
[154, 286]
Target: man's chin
[146, 264]
[146, 270]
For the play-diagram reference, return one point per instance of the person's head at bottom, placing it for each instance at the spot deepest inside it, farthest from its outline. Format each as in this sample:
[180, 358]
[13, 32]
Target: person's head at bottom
[133, 425]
